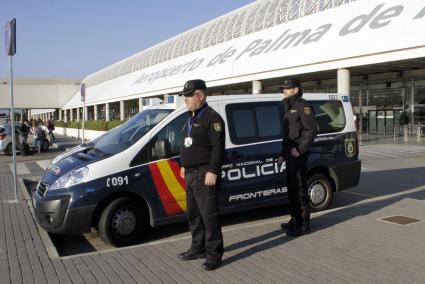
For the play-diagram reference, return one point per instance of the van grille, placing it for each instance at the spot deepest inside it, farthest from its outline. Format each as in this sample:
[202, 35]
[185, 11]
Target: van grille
[42, 188]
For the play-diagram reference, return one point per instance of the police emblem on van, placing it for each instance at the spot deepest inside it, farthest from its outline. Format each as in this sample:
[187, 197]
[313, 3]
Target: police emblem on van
[350, 149]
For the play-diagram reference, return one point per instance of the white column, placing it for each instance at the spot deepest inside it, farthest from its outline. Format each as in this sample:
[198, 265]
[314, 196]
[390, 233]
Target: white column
[78, 114]
[343, 81]
[360, 109]
[71, 112]
[107, 111]
[86, 113]
[257, 87]
[95, 112]
[60, 114]
[412, 101]
[140, 104]
[122, 114]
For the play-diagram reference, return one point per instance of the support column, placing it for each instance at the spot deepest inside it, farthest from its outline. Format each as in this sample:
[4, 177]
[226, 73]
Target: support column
[140, 104]
[412, 101]
[60, 114]
[343, 79]
[71, 112]
[257, 87]
[360, 109]
[86, 113]
[107, 111]
[78, 114]
[95, 112]
[122, 110]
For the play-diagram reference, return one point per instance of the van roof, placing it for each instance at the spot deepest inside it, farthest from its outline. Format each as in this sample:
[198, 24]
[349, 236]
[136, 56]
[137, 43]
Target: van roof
[259, 97]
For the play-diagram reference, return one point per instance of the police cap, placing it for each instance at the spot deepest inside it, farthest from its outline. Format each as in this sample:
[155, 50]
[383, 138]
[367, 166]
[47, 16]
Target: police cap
[291, 83]
[191, 86]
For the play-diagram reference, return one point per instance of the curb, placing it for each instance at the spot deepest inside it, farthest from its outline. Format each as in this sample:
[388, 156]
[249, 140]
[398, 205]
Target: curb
[47, 242]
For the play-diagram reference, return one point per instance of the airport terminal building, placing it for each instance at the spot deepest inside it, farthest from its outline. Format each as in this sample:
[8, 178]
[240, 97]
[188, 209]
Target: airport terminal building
[373, 50]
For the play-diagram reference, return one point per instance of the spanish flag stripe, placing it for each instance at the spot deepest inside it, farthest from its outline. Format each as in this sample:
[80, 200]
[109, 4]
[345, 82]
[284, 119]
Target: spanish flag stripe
[168, 201]
[172, 183]
[176, 170]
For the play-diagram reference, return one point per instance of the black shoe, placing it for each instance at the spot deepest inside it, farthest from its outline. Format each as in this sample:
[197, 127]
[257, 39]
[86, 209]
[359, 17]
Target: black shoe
[287, 226]
[189, 255]
[294, 232]
[211, 264]
[297, 231]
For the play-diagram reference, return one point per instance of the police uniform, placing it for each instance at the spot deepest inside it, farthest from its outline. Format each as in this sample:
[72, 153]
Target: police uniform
[201, 151]
[299, 131]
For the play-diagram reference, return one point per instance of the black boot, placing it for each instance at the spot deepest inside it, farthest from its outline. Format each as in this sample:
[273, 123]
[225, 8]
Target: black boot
[289, 225]
[305, 214]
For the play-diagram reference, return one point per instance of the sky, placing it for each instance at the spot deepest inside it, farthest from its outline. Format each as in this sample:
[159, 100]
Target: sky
[74, 38]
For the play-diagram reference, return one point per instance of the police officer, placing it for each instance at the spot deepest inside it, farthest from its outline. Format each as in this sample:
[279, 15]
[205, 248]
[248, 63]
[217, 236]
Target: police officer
[202, 154]
[299, 131]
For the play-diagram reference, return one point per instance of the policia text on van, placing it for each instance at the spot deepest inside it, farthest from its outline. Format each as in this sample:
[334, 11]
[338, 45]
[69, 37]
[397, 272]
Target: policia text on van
[128, 178]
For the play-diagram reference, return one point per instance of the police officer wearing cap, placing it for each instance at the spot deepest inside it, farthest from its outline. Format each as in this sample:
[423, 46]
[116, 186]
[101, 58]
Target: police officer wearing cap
[202, 154]
[299, 131]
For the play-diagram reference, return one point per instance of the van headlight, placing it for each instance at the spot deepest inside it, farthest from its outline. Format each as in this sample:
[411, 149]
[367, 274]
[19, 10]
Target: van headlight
[72, 178]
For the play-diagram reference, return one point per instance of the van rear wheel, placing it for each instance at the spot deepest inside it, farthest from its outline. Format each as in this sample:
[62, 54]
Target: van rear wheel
[320, 192]
[123, 222]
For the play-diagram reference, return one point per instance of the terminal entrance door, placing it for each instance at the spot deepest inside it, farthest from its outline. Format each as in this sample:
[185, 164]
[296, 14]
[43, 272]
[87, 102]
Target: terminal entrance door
[382, 121]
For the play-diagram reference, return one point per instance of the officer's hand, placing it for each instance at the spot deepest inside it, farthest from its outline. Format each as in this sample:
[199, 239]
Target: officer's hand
[281, 159]
[210, 179]
[182, 172]
[295, 153]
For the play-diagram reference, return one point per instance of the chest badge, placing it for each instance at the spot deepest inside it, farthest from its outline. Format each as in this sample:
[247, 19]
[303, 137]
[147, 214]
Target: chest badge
[307, 110]
[217, 126]
[293, 110]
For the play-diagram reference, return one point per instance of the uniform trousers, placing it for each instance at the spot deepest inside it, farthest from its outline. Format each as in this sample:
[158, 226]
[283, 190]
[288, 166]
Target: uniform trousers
[296, 176]
[202, 214]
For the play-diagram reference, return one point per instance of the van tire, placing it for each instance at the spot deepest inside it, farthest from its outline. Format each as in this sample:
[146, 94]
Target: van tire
[123, 222]
[320, 192]
[8, 151]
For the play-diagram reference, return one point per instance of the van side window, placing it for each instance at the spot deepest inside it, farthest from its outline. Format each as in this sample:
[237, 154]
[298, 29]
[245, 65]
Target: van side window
[330, 116]
[168, 138]
[254, 122]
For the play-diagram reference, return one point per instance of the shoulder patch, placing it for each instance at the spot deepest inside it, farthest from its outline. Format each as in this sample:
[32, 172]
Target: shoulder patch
[307, 110]
[217, 126]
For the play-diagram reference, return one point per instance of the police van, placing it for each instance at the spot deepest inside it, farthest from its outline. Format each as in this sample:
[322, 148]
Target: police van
[128, 179]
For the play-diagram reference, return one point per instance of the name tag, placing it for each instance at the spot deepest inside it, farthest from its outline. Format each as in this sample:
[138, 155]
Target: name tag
[188, 142]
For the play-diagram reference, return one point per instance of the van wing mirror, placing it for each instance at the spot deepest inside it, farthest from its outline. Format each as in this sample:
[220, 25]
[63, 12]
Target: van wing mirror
[162, 149]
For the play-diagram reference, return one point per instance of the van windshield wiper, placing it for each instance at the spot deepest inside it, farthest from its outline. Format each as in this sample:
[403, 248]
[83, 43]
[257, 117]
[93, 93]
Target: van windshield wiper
[92, 148]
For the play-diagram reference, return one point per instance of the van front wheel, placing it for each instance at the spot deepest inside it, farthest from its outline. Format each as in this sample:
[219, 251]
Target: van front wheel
[122, 222]
[320, 192]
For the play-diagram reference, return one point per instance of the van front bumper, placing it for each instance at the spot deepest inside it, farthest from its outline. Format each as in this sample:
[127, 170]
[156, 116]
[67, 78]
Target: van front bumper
[54, 215]
[346, 175]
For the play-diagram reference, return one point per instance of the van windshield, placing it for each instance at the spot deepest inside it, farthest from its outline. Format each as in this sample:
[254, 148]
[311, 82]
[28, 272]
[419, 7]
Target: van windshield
[125, 135]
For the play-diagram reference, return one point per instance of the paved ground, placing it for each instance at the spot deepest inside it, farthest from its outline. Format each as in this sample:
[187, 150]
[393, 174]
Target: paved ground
[349, 243]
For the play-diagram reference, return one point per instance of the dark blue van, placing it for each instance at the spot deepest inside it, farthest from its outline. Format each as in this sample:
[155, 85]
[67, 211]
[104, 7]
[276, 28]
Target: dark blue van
[128, 178]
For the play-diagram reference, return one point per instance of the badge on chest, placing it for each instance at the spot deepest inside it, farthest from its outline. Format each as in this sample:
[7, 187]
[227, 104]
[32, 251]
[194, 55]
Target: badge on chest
[188, 141]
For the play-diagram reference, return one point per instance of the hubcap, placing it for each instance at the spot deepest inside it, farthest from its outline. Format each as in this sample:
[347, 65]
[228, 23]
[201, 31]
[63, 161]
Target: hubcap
[317, 192]
[124, 222]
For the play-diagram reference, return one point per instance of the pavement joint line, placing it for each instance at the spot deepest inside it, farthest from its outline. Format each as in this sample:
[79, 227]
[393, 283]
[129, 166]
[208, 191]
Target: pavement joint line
[48, 244]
